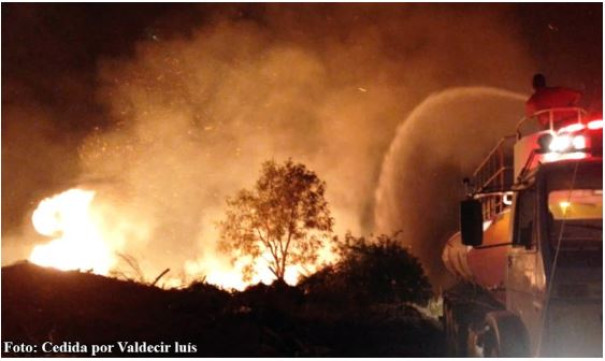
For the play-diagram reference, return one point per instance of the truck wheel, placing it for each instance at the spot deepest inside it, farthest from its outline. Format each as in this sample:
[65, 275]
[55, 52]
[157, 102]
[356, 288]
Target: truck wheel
[475, 344]
[501, 334]
[504, 336]
[491, 346]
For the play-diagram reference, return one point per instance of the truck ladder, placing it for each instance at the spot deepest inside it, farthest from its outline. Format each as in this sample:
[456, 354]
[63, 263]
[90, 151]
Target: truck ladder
[494, 178]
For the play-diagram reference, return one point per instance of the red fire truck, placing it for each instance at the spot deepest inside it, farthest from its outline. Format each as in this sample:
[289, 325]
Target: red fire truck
[529, 254]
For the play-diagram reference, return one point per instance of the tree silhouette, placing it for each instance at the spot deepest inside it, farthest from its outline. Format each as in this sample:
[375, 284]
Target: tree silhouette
[385, 270]
[285, 218]
[370, 272]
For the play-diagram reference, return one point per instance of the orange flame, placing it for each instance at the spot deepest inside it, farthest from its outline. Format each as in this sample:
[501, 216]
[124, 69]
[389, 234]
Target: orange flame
[77, 242]
[84, 238]
[221, 272]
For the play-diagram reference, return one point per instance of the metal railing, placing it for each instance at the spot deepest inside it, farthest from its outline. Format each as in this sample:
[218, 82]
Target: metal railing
[552, 117]
[494, 178]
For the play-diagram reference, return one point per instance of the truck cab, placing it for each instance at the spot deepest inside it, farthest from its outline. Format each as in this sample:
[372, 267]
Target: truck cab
[544, 295]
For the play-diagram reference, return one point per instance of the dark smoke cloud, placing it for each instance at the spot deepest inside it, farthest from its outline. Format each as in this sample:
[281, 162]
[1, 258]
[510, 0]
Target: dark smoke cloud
[185, 115]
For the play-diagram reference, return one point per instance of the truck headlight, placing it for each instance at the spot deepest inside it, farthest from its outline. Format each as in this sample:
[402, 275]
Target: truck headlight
[565, 143]
[560, 143]
[579, 142]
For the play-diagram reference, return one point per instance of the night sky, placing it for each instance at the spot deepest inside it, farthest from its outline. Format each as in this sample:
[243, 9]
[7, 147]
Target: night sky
[247, 83]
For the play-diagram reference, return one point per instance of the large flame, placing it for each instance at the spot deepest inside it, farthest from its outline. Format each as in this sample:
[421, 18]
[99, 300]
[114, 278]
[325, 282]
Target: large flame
[77, 241]
[85, 236]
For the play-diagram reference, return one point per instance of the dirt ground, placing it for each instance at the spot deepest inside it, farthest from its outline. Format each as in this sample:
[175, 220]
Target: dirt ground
[52, 313]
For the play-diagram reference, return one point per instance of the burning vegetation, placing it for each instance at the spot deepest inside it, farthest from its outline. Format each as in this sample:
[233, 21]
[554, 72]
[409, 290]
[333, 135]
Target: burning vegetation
[280, 230]
[373, 289]
[283, 223]
[340, 290]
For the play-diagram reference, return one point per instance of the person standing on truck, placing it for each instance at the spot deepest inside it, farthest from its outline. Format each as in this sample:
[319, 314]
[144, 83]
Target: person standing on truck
[545, 97]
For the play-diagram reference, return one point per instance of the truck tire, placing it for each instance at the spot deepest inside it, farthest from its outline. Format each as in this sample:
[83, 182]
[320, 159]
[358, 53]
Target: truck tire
[505, 335]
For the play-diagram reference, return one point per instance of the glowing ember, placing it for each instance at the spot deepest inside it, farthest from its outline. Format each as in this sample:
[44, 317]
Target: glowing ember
[77, 242]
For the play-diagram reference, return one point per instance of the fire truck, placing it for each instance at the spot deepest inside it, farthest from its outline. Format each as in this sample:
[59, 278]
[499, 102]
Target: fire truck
[529, 253]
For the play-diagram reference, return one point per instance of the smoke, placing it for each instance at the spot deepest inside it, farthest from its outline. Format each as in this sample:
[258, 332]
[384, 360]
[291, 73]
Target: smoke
[35, 156]
[443, 140]
[191, 117]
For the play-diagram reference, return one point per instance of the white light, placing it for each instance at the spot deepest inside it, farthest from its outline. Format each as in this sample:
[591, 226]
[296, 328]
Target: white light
[595, 124]
[579, 142]
[572, 128]
[507, 198]
[560, 143]
[564, 205]
[555, 157]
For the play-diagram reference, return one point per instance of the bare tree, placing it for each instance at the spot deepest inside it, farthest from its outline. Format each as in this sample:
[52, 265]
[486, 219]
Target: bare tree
[285, 217]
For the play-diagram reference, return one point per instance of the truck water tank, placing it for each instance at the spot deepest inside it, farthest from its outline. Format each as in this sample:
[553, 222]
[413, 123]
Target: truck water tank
[484, 267]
